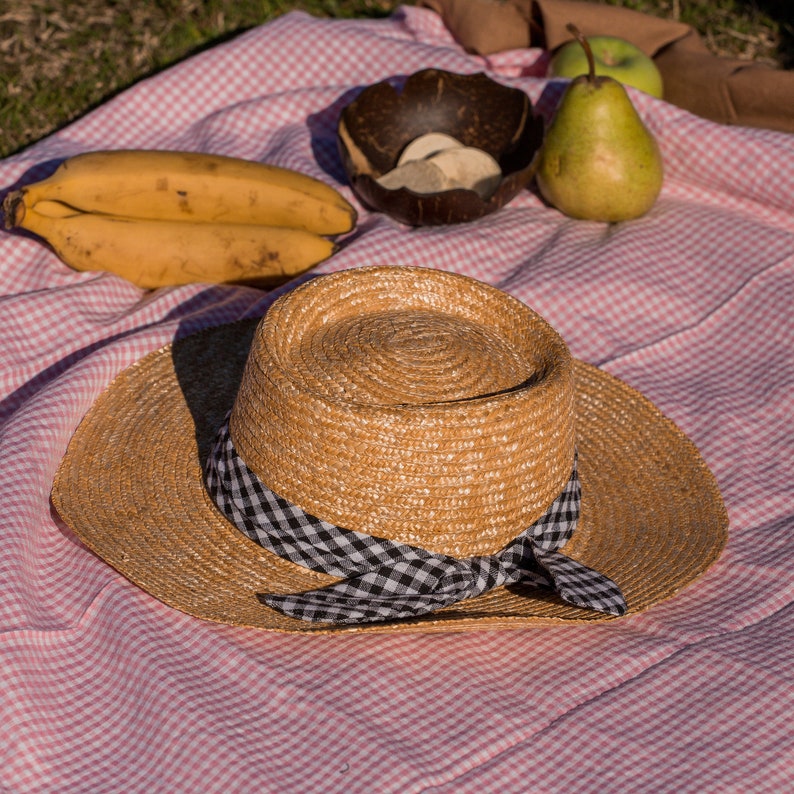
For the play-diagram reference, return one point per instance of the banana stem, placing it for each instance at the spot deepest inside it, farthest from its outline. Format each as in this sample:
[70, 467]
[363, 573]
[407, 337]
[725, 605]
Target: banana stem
[577, 34]
[13, 209]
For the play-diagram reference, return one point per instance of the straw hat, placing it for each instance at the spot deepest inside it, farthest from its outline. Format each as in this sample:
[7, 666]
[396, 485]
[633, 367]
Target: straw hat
[411, 405]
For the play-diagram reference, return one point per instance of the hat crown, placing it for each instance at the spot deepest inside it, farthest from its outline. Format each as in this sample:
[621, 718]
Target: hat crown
[412, 404]
[401, 357]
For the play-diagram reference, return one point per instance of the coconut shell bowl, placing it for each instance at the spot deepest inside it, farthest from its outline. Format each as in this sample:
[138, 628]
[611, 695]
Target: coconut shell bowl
[379, 124]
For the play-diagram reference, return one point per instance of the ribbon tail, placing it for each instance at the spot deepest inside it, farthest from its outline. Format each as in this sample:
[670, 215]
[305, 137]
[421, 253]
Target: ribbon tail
[327, 605]
[582, 586]
[380, 595]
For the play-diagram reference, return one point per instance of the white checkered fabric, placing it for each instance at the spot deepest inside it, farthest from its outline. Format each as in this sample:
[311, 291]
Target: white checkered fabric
[384, 580]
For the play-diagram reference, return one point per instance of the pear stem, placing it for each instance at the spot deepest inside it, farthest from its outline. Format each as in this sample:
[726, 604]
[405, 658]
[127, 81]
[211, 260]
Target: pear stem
[577, 34]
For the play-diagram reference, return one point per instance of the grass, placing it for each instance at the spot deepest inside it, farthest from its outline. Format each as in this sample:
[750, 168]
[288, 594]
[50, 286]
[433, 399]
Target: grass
[59, 59]
[753, 30]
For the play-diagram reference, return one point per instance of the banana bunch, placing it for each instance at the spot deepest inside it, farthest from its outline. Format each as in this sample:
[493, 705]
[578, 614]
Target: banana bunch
[163, 218]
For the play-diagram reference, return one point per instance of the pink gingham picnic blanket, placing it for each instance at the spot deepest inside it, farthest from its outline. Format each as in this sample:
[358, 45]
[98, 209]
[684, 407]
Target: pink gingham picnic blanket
[106, 689]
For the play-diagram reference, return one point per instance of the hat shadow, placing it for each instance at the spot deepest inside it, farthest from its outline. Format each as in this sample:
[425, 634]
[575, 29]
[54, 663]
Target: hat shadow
[208, 366]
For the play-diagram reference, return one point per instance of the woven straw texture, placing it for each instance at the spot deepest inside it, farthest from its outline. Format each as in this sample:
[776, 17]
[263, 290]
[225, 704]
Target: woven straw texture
[131, 484]
[412, 404]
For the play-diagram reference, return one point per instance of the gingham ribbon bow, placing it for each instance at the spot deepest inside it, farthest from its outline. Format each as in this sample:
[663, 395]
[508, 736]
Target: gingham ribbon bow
[384, 580]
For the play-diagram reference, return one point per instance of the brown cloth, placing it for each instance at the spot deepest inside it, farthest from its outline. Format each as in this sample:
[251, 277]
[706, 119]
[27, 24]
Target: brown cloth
[726, 90]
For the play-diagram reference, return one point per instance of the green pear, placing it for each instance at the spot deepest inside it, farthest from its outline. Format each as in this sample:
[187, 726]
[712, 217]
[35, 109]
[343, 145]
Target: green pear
[599, 161]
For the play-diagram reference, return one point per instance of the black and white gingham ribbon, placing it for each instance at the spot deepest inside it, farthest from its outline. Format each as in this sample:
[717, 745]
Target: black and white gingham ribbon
[384, 580]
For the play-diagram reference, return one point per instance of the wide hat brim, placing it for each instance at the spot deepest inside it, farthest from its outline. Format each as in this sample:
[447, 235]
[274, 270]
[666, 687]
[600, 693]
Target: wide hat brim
[131, 488]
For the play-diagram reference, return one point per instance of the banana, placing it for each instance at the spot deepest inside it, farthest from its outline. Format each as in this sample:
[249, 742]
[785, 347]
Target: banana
[192, 186]
[158, 253]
